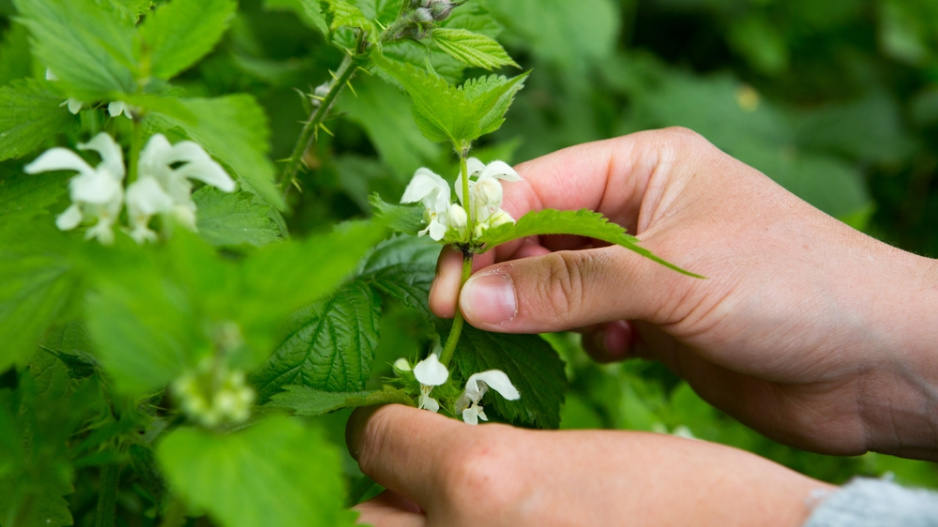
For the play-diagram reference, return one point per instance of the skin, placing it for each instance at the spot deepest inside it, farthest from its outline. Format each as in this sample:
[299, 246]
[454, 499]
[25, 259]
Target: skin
[805, 329]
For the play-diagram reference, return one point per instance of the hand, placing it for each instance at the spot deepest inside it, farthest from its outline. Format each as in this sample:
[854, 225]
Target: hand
[804, 328]
[442, 472]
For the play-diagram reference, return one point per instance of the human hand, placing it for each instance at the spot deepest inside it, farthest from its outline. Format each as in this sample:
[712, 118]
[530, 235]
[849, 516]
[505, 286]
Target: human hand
[439, 471]
[804, 328]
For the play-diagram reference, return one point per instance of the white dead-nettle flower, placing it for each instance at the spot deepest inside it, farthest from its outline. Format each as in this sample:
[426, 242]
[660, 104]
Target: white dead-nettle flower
[163, 185]
[432, 190]
[485, 193]
[430, 372]
[478, 383]
[74, 106]
[96, 192]
[115, 108]
[213, 395]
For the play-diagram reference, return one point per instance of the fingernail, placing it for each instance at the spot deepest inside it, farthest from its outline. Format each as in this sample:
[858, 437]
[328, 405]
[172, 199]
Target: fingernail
[489, 299]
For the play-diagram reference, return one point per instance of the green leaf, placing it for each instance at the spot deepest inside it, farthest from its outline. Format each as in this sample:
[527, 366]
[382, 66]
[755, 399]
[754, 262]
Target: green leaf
[309, 11]
[15, 60]
[239, 218]
[532, 365]
[275, 473]
[309, 402]
[29, 111]
[474, 49]
[34, 290]
[210, 122]
[87, 48]
[329, 346]
[407, 219]
[179, 33]
[579, 223]
[403, 267]
[344, 14]
[492, 96]
[23, 196]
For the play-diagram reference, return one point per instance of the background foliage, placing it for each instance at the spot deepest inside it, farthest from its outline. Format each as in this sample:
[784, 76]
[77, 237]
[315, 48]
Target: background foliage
[838, 101]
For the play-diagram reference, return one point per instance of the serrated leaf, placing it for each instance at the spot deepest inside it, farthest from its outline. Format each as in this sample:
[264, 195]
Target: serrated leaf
[532, 365]
[308, 402]
[492, 96]
[34, 290]
[274, 473]
[407, 219]
[474, 49]
[209, 122]
[86, 47]
[23, 196]
[309, 11]
[29, 111]
[403, 267]
[179, 33]
[344, 14]
[329, 345]
[579, 223]
[15, 60]
[238, 218]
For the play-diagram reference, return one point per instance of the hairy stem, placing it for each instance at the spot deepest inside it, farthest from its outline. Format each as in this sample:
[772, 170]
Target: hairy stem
[308, 135]
[450, 348]
[107, 497]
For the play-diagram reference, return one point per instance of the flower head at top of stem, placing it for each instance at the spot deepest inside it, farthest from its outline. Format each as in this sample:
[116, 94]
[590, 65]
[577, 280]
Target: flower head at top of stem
[445, 220]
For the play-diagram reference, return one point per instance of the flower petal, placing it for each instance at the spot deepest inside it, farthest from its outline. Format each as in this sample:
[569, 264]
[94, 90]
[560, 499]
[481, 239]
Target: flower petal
[495, 379]
[146, 197]
[69, 219]
[112, 158]
[499, 170]
[208, 172]
[58, 159]
[99, 188]
[425, 183]
[430, 371]
[474, 166]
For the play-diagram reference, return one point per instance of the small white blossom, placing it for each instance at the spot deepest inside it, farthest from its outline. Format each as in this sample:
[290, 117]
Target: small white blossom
[212, 395]
[432, 190]
[115, 108]
[478, 383]
[430, 372]
[485, 193]
[96, 192]
[163, 185]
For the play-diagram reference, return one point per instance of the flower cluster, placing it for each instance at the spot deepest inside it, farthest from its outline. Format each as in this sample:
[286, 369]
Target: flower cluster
[114, 108]
[162, 186]
[449, 221]
[213, 395]
[430, 373]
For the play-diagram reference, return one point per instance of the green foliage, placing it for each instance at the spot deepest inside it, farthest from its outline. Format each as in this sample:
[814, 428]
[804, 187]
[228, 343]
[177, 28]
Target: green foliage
[459, 115]
[309, 402]
[236, 219]
[28, 110]
[292, 466]
[88, 49]
[310, 11]
[474, 49]
[531, 364]
[580, 223]
[179, 33]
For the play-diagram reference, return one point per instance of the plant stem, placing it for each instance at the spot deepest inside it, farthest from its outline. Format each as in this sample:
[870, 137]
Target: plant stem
[467, 203]
[450, 348]
[107, 497]
[308, 135]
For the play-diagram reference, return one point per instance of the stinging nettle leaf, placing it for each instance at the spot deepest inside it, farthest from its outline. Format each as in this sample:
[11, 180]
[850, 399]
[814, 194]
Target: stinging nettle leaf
[407, 219]
[403, 267]
[29, 111]
[472, 48]
[579, 223]
[492, 96]
[179, 33]
[308, 402]
[236, 218]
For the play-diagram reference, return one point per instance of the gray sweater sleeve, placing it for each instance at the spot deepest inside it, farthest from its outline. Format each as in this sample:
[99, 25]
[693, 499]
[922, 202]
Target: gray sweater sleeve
[875, 502]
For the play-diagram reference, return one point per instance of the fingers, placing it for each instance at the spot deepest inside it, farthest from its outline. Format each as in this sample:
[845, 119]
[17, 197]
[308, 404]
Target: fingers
[445, 289]
[403, 448]
[390, 510]
[609, 342]
[573, 289]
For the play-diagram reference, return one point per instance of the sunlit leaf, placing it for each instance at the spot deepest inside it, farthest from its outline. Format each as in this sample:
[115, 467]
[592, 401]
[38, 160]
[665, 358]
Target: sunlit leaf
[474, 49]
[179, 33]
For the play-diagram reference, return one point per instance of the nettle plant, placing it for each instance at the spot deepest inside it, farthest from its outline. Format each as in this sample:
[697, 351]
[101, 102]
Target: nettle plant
[166, 342]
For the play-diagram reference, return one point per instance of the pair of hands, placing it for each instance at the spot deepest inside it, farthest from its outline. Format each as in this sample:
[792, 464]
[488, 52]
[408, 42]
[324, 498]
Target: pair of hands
[804, 329]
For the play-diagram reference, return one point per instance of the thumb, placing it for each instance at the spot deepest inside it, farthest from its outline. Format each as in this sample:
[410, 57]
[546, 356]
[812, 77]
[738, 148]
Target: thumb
[570, 289]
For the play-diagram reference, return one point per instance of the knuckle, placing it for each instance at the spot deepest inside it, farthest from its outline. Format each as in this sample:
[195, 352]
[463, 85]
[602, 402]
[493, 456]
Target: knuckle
[563, 288]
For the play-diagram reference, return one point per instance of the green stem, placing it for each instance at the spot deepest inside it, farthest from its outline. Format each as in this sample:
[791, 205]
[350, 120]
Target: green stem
[107, 497]
[308, 135]
[467, 203]
[450, 348]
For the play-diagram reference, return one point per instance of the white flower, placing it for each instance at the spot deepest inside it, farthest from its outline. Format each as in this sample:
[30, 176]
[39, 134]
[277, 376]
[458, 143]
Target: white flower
[430, 372]
[478, 383]
[485, 193]
[95, 192]
[432, 190]
[115, 108]
[163, 185]
[212, 394]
